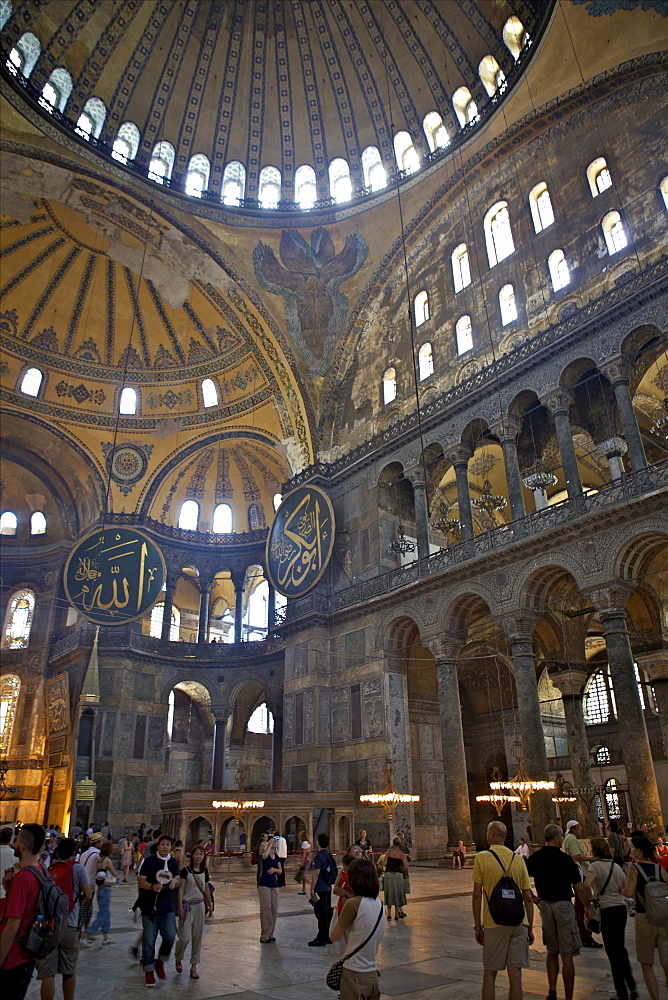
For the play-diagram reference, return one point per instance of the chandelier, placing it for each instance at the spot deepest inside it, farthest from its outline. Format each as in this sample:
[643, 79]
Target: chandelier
[521, 784]
[539, 480]
[390, 798]
[402, 545]
[441, 522]
[488, 501]
[240, 805]
[565, 791]
[660, 426]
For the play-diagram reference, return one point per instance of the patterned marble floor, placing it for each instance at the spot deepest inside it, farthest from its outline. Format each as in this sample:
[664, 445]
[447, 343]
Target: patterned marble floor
[429, 956]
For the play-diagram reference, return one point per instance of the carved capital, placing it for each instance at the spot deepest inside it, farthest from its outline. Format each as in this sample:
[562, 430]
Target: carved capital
[221, 713]
[655, 664]
[506, 429]
[557, 400]
[444, 648]
[204, 584]
[459, 454]
[569, 682]
[416, 475]
[616, 369]
[518, 625]
[610, 596]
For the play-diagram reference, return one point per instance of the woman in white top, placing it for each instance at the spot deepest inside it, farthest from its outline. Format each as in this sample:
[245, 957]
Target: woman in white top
[361, 918]
[306, 864]
[606, 881]
[523, 849]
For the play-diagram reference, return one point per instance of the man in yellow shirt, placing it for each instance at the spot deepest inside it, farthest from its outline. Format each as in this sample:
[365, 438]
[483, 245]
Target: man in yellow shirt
[503, 947]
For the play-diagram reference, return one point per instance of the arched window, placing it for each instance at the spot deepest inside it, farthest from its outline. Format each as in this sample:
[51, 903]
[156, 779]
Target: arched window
[645, 690]
[461, 268]
[8, 523]
[162, 162]
[261, 721]
[507, 305]
[612, 798]
[92, 118]
[340, 186]
[306, 193]
[464, 335]
[421, 308]
[515, 36]
[375, 177]
[127, 404]
[405, 152]
[157, 616]
[269, 190]
[664, 191]
[222, 519]
[209, 393]
[435, 131]
[126, 143]
[464, 105]
[492, 76]
[598, 703]
[278, 500]
[559, 273]
[602, 755]
[425, 361]
[32, 382]
[256, 517]
[197, 177]
[599, 176]
[234, 183]
[541, 207]
[18, 620]
[38, 523]
[23, 57]
[189, 515]
[5, 12]
[390, 385]
[614, 232]
[10, 686]
[498, 234]
[56, 90]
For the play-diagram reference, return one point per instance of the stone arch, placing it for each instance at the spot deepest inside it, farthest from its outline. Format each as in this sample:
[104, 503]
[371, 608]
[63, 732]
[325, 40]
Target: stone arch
[574, 369]
[640, 546]
[250, 751]
[198, 829]
[459, 610]
[395, 625]
[188, 734]
[534, 583]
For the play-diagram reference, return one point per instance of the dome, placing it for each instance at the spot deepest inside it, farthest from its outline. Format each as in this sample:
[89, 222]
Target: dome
[265, 105]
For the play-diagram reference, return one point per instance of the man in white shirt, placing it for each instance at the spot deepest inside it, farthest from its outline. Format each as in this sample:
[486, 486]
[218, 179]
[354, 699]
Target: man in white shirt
[89, 861]
[282, 853]
[7, 856]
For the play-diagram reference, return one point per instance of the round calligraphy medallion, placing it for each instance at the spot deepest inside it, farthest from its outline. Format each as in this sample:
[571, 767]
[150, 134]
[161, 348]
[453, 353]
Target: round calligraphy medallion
[114, 575]
[127, 464]
[300, 542]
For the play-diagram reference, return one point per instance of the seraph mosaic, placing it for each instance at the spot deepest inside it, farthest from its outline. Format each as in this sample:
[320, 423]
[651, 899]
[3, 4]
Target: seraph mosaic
[309, 278]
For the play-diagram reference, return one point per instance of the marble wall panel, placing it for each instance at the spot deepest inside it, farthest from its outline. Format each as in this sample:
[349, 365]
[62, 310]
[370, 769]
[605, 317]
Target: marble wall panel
[135, 790]
[323, 778]
[300, 660]
[106, 733]
[126, 735]
[355, 648]
[299, 778]
[373, 716]
[143, 687]
[340, 714]
[156, 738]
[288, 720]
[324, 716]
[309, 716]
[107, 682]
[339, 776]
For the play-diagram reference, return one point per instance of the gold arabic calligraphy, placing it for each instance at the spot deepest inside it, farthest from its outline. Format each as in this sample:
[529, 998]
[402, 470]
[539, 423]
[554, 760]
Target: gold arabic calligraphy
[127, 587]
[298, 550]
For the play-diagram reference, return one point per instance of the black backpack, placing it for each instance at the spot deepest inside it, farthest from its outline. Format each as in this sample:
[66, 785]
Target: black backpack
[329, 872]
[506, 904]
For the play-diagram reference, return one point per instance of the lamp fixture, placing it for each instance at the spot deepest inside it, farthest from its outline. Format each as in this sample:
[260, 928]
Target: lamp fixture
[390, 798]
[521, 785]
[240, 805]
[402, 545]
[660, 427]
[488, 501]
[441, 522]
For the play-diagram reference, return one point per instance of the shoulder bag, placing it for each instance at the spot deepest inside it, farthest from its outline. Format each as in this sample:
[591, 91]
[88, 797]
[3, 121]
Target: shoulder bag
[593, 923]
[333, 979]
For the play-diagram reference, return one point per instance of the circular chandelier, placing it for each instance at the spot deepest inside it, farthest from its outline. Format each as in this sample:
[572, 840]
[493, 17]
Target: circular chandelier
[521, 784]
[488, 501]
[402, 545]
[390, 798]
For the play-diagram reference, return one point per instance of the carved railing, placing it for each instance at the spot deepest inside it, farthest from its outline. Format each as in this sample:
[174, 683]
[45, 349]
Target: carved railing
[125, 637]
[185, 535]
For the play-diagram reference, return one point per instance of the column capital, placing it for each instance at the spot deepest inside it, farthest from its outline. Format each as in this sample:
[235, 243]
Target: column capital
[204, 585]
[617, 370]
[507, 428]
[569, 682]
[444, 647]
[557, 400]
[459, 454]
[610, 597]
[221, 713]
[416, 475]
[655, 664]
[518, 625]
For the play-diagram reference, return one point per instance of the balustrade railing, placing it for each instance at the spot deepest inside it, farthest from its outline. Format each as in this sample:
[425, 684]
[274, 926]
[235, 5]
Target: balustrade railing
[126, 637]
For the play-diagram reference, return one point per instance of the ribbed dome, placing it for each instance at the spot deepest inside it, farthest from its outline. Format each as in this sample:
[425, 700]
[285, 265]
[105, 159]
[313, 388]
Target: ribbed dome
[272, 83]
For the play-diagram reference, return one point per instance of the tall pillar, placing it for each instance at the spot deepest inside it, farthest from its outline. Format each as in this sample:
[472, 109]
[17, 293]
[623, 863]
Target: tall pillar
[507, 431]
[458, 809]
[619, 372]
[613, 449]
[558, 403]
[460, 456]
[218, 761]
[416, 477]
[238, 611]
[271, 609]
[611, 603]
[655, 665]
[277, 754]
[570, 682]
[204, 597]
[398, 737]
[168, 606]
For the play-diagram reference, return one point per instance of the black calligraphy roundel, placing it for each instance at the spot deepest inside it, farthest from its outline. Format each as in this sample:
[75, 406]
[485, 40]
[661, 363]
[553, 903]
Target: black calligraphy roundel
[300, 541]
[114, 575]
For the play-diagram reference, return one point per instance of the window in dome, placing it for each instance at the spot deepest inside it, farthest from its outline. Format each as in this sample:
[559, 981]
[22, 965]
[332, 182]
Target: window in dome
[498, 234]
[162, 162]
[340, 185]
[189, 516]
[464, 335]
[425, 362]
[541, 207]
[222, 519]
[598, 702]
[390, 385]
[464, 105]
[157, 616]
[38, 523]
[492, 76]
[421, 308]
[128, 402]
[375, 177]
[306, 193]
[461, 269]
[602, 755]
[269, 191]
[559, 272]
[256, 517]
[56, 90]
[10, 687]
[8, 523]
[278, 500]
[435, 130]
[234, 183]
[515, 36]
[18, 622]
[32, 382]
[404, 150]
[126, 143]
[5, 12]
[92, 118]
[23, 57]
[599, 176]
[197, 177]
[614, 232]
[209, 393]
[664, 191]
[507, 305]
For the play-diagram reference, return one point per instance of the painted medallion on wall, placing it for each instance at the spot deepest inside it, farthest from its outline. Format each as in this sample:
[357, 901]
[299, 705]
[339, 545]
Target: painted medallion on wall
[300, 542]
[126, 463]
[114, 575]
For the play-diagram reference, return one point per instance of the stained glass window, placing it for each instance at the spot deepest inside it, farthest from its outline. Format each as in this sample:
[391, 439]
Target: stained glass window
[19, 620]
[9, 697]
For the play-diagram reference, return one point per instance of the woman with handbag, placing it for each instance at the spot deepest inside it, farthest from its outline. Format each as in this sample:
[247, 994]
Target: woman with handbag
[649, 937]
[362, 920]
[105, 877]
[193, 904]
[607, 881]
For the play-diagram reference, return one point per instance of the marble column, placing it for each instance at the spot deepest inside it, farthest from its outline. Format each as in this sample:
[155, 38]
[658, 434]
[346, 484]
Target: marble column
[619, 372]
[655, 665]
[570, 683]
[271, 609]
[558, 403]
[611, 603]
[460, 455]
[204, 598]
[277, 754]
[458, 808]
[218, 761]
[167, 608]
[507, 431]
[399, 748]
[417, 478]
[238, 611]
[613, 449]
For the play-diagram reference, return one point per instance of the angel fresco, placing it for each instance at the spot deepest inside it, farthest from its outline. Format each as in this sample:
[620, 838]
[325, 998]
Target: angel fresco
[309, 279]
